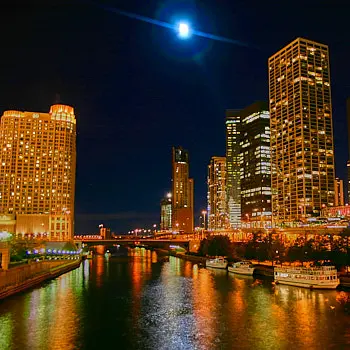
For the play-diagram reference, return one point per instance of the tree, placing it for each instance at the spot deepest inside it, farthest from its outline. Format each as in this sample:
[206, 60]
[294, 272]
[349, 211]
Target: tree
[219, 246]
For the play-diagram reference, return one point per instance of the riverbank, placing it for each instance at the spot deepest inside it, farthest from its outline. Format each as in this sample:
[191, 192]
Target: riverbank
[261, 270]
[20, 278]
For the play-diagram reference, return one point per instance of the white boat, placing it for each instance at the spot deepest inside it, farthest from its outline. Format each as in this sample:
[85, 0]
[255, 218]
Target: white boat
[242, 268]
[322, 277]
[217, 263]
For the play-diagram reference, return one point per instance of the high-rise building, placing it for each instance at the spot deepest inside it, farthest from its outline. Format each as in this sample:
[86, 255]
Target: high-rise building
[233, 189]
[255, 165]
[348, 163]
[217, 210]
[165, 213]
[182, 192]
[302, 152]
[105, 232]
[37, 174]
[339, 192]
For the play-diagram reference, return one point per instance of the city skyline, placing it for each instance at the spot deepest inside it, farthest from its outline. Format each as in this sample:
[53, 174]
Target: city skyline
[112, 133]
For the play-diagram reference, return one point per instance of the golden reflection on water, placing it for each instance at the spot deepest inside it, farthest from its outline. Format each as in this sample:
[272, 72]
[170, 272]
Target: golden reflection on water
[99, 262]
[46, 317]
[139, 267]
[65, 317]
[183, 304]
[204, 299]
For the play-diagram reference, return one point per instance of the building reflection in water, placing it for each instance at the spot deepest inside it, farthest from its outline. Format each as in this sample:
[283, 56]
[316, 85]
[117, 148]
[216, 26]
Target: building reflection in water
[99, 262]
[204, 299]
[47, 317]
[140, 268]
[6, 331]
[170, 305]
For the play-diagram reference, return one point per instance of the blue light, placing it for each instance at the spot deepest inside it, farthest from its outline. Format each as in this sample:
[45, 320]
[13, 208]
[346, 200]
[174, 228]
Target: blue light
[183, 30]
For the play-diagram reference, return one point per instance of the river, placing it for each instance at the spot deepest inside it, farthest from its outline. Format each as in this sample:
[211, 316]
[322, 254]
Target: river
[136, 301]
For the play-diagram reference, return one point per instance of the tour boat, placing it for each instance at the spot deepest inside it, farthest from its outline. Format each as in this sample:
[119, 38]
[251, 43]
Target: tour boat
[218, 263]
[242, 268]
[322, 277]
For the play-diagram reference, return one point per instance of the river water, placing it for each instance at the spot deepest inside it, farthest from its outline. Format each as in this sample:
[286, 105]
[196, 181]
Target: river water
[140, 301]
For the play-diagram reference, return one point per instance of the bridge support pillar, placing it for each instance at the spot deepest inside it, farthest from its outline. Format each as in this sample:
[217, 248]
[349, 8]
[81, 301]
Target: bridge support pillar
[194, 245]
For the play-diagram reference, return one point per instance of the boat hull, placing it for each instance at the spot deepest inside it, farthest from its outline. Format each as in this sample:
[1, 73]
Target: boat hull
[240, 271]
[308, 284]
[222, 266]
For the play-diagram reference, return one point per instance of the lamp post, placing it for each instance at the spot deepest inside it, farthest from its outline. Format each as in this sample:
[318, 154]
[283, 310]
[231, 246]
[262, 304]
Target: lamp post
[155, 228]
[204, 212]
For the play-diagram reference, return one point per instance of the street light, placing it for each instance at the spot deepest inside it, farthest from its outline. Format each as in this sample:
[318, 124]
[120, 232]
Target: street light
[204, 212]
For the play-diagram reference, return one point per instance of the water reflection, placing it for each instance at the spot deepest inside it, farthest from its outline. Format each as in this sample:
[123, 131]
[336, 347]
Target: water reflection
[136, 301]
[43, 318]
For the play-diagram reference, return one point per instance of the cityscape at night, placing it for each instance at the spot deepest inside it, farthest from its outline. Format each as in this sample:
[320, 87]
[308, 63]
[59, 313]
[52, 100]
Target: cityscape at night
[175, 175]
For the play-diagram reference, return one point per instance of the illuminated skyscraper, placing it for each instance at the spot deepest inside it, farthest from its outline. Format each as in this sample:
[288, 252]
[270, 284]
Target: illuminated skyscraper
[301, 131]
[37, 174]
[255, 165]
[182, 191]
[165, 213]
[233, 189]
[217, 211]
[339, 192]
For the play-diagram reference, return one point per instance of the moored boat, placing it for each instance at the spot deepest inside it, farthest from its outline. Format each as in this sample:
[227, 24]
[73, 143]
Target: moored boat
[242, 268]
[320, 277]
[217, 263]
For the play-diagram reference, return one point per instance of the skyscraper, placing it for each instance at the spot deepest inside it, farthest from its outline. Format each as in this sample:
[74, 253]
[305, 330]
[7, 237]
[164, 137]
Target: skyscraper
[339, 192]
[217, 211]
[255, 165]
[233, 188]
[37, 174]
[182, 191]
[301, 131]
[165, 213]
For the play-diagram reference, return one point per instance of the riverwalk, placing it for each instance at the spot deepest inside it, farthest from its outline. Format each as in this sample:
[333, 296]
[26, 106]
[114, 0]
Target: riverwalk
[26, 276]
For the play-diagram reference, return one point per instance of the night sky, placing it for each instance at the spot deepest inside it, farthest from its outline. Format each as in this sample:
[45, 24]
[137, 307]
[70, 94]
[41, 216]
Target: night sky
[137, 89]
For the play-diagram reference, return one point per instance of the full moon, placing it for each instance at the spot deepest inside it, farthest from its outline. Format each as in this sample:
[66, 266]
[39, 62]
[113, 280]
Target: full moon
[184, 30]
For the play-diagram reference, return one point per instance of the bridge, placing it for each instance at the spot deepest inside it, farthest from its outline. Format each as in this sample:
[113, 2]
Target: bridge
[188, 244]
[191, 242]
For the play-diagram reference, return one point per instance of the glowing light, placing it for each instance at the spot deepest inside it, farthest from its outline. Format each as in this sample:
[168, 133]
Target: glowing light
[5, 236]
[183, 30]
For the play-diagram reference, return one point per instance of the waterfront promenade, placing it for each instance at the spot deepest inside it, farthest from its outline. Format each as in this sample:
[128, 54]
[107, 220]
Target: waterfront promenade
[25, 276]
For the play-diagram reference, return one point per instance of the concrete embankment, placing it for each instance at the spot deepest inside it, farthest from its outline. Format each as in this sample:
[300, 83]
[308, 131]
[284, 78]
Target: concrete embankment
[192, 258]
[23, 277]
[345, 281]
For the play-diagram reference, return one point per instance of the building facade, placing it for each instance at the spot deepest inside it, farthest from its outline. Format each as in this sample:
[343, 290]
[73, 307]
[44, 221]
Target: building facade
[182, 192]
[166, 213]
[255, 166]
[37, 174]
[339, 192]
[302, 152]
[233, 186]
[216, 209]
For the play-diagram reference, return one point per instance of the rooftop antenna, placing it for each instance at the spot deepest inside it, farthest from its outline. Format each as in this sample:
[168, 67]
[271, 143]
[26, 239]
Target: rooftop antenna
[57, 98]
